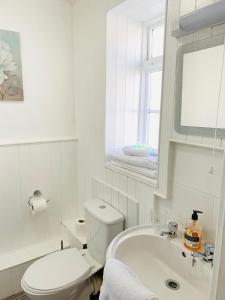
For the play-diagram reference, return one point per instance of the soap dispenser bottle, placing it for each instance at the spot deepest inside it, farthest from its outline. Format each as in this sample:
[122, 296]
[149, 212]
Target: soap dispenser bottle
[193, 233]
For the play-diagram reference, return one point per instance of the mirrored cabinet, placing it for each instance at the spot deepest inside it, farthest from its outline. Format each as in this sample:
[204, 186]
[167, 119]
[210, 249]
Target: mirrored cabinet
[200, 88]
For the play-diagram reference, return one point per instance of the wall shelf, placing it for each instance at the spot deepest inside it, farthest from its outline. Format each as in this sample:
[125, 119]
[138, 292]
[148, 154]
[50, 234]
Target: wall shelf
[190, 144]
[159, 195]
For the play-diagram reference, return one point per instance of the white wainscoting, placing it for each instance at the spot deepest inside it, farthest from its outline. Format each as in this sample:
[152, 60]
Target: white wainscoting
[49, 167]
[135, 210]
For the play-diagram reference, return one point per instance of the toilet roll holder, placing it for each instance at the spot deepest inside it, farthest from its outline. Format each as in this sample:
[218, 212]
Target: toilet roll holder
[35, 195]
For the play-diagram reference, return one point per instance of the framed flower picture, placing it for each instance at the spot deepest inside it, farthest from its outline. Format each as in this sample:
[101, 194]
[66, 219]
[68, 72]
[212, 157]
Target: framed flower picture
[11, 81]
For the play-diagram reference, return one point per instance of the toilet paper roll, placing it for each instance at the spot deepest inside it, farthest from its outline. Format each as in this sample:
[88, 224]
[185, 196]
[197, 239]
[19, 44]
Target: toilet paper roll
[80, 227]
[39, 205]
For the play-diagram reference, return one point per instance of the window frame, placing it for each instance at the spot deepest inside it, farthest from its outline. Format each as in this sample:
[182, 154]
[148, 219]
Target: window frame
[149, 65]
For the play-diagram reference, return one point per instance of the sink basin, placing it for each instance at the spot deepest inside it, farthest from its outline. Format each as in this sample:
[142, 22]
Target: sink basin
[163, 264]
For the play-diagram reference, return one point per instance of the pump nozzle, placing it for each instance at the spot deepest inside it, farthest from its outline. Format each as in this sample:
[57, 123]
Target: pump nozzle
[195, 214]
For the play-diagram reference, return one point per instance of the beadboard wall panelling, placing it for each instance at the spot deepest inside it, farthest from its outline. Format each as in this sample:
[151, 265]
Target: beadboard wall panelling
[141, 192]
[121, 201]
[50, 167]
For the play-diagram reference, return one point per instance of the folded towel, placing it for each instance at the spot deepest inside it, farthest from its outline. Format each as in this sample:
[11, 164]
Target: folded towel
[121, 283]
[142, 171]
[140, 150]
[149, 162]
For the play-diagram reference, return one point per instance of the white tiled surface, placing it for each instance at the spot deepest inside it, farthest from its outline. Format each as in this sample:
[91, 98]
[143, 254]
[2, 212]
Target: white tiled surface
[187, 7]
[202, 3]
[190, 187]
[50, 167]
[190, 5]
[185, 199]
[191, 168]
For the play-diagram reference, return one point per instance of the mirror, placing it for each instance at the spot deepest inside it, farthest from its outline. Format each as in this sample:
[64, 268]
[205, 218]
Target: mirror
[200, 88]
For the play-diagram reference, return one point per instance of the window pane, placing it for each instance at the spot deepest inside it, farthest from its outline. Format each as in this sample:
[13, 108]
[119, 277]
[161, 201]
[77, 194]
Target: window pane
[131, 126]
[153, 130]
[156, 39]
[155, 87]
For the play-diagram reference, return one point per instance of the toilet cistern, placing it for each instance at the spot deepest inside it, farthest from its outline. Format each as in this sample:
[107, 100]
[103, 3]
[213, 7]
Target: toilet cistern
[65, 275]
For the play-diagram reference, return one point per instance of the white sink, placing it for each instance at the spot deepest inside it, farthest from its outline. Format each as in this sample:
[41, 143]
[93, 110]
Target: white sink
[156, 259]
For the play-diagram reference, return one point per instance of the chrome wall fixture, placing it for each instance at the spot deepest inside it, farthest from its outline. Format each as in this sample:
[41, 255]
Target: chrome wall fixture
[35, 195]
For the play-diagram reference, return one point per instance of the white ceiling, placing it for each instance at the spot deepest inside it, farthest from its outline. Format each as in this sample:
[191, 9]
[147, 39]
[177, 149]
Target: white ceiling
[141, 10]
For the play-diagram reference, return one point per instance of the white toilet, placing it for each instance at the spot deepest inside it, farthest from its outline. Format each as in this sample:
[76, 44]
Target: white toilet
[63, 275]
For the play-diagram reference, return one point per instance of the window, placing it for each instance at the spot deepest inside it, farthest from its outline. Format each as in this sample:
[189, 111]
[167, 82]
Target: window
[134, 80]
[151, 85]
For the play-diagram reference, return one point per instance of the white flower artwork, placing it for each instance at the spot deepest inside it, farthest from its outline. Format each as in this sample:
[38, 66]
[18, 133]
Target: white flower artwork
[7, 64]
[11, 88]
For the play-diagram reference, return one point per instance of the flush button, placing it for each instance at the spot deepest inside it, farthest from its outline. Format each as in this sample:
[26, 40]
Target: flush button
[102, 206]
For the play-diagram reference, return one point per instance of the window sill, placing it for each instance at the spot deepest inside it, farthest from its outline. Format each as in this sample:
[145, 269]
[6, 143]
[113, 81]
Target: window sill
[144, 179]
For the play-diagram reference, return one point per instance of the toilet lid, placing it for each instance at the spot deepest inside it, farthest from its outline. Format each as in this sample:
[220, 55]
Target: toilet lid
[56, 271]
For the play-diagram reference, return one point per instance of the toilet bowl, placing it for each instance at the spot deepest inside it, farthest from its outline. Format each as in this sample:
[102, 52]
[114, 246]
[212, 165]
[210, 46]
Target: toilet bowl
[57, 276]
[64, 275]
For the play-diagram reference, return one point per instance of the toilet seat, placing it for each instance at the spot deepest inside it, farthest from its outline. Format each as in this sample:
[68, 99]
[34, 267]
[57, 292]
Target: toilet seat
[56, 272]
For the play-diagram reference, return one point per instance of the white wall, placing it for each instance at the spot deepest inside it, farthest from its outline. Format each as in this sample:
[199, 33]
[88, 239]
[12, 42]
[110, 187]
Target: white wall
[47, 113]
[46, 46]
[189, 185]
[89, 86]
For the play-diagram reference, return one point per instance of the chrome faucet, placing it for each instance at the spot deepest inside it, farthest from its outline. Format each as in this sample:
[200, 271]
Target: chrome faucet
[194, 255]
[207, 255]
[172, 230]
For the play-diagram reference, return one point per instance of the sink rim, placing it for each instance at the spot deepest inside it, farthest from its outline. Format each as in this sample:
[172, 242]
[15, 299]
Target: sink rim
[140, 230]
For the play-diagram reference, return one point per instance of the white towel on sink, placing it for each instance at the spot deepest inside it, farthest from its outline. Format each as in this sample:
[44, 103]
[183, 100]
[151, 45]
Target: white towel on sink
[121, 283]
